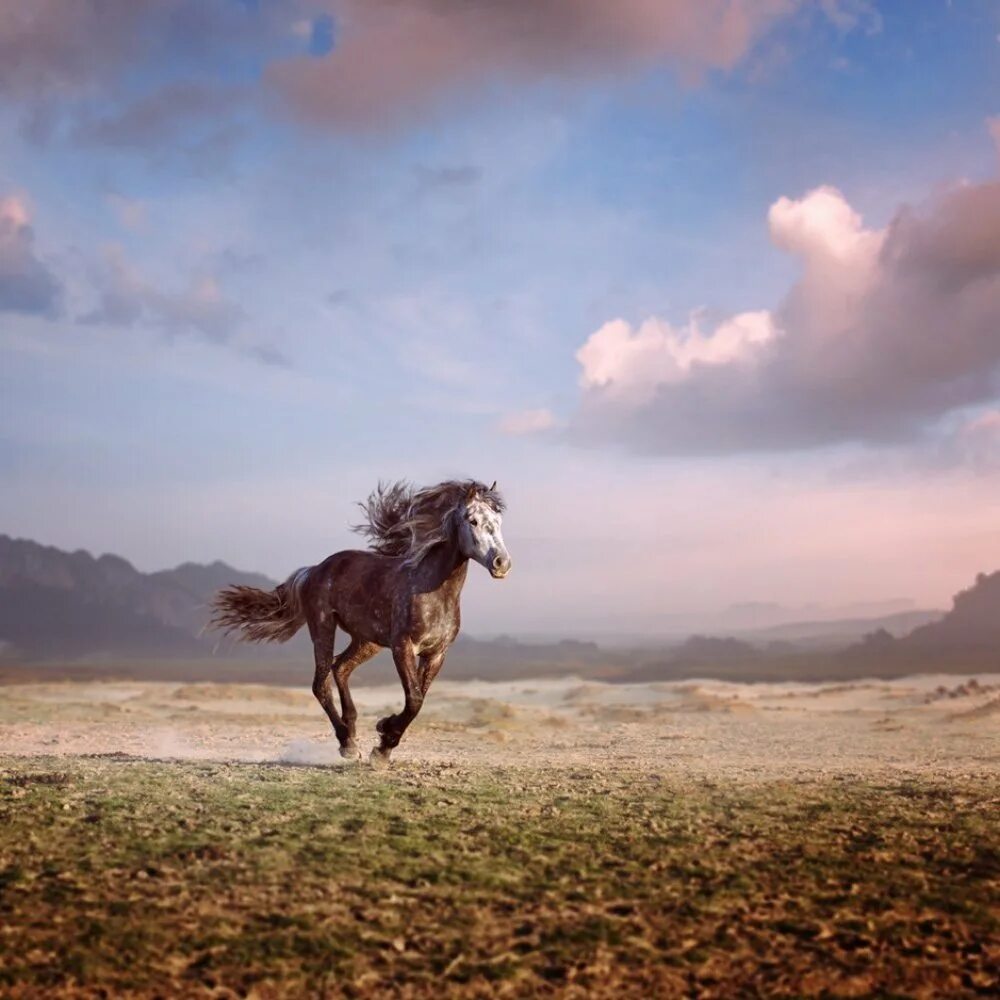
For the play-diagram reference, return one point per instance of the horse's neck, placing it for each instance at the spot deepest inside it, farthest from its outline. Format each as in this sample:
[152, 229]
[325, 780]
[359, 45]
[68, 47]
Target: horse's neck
[443, 571]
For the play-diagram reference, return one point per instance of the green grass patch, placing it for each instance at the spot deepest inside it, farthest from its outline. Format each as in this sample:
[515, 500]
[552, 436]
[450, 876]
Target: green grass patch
[132, 877]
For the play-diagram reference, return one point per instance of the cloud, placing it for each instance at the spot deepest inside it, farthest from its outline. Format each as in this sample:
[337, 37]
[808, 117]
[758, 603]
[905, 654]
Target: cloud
[358, 64]
[392, 62]
[846, 15]
[55, 49]
[51, 48]
[195, 125]
[527, 422]
[631, 365]
[975, 444]
[26, 284]
[127, 299]
[162, 117]
[58, 60]
[884, 332]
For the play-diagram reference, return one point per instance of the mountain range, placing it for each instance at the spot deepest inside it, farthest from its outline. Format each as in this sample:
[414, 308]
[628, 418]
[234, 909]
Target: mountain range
[965, 639]
[102, 614]
[56, 604]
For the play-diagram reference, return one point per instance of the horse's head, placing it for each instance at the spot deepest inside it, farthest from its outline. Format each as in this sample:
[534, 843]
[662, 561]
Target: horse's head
[479, 536]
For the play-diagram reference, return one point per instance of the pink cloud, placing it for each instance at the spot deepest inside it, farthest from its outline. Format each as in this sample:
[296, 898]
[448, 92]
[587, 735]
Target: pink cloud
[26, 283]
[884, 332]
[393, 61]
[630, 364]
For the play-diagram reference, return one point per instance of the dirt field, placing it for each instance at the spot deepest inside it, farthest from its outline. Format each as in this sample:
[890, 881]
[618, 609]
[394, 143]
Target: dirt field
[533, 838]
[934, 725]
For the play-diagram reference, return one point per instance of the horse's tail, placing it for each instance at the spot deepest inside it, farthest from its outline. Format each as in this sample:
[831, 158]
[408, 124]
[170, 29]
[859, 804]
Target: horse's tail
[262, 615]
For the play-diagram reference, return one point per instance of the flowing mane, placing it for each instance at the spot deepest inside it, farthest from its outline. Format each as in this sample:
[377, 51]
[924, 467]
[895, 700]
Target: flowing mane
[401, 520]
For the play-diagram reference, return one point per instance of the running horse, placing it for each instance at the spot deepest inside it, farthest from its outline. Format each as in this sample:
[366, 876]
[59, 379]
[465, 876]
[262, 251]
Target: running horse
[402, 593]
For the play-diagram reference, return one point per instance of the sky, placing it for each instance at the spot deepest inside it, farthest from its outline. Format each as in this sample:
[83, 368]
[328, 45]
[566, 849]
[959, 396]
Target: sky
[710, 287]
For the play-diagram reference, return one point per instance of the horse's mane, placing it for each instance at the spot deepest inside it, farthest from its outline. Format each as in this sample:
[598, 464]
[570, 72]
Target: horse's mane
[401, 520]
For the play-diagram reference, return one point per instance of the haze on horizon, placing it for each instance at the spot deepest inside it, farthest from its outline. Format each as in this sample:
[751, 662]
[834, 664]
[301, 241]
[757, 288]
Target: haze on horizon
[712, 289]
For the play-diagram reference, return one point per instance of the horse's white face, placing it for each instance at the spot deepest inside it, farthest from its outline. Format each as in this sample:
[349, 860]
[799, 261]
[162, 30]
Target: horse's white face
[480, 537]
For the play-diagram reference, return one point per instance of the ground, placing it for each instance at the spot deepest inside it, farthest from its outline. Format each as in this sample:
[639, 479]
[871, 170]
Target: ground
[708, 840]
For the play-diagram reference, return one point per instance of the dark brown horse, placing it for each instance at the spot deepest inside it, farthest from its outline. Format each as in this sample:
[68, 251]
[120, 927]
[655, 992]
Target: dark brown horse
[402, 594]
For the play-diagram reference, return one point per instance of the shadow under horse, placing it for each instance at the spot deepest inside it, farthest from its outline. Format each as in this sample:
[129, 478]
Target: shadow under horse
[402, 593]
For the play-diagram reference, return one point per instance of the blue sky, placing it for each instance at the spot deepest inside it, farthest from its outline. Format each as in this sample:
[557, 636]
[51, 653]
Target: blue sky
[256, 256]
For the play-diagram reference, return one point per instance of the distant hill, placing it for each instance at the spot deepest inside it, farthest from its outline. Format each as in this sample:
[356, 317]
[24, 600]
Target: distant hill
[836, 632]
[56, 604]
[758, 616]
[86, 616]
[965, 639]
[972, 623]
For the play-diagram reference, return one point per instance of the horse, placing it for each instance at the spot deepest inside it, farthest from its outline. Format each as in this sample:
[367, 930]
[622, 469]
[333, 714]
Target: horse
[402, 593]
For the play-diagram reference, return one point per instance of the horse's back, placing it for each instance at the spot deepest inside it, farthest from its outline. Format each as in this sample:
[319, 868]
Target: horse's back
[357, 585]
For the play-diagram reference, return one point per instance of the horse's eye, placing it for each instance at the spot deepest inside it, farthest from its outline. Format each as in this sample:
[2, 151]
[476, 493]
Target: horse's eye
[473, 522]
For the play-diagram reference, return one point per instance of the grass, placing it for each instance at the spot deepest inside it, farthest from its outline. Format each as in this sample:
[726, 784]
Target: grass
[126, 877]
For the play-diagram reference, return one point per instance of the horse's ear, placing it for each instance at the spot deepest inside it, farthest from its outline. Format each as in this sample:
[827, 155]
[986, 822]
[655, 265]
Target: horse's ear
[494, 486]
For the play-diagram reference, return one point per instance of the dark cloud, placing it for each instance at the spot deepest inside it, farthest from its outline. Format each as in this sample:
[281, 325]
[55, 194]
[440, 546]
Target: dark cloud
[26, 284]
[60, 59]
[50, 47]
[73, 48]
[392, 61]
[355, 63]
[883, 334]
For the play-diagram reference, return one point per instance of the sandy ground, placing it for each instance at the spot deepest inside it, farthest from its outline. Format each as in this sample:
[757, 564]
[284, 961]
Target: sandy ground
[922, 725]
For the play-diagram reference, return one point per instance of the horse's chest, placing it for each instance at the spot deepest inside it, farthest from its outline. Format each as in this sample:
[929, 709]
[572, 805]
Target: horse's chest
[434, 623]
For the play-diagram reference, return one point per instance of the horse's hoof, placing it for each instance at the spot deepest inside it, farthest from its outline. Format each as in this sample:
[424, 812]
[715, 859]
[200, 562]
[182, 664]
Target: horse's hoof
[379, 757]
[350, 751]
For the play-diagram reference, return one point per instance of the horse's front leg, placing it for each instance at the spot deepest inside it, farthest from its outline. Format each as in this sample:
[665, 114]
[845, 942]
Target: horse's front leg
[392, 727]
[429, 668]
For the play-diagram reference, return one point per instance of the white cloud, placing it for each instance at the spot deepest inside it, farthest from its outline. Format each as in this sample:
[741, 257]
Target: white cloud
[630, 364]
[884, 332]
[823, 226]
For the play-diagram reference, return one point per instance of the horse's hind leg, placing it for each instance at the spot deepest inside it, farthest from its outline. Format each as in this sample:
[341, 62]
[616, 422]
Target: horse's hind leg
[357, 652]
[322, 638]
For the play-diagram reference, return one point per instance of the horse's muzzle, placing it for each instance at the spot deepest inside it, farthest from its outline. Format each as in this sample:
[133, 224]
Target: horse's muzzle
[500, 567]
